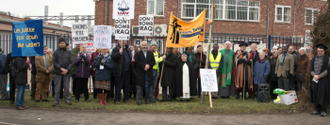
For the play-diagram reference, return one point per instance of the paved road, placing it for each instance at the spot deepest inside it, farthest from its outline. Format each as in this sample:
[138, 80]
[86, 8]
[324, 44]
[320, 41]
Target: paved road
[69, 117]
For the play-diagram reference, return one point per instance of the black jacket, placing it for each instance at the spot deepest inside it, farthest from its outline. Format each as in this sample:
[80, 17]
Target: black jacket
[62, 58]
[21, 74]
[32, 60]
[272, 76]
[140, 63]
[169, 68]
[119, 60]
[256, 57]
[8, 60]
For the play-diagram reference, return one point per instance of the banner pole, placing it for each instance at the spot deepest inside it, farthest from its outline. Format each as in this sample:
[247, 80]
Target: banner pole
[207, 54]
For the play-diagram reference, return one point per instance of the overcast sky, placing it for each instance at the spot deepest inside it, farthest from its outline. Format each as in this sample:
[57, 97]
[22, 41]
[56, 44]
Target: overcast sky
[23, 8]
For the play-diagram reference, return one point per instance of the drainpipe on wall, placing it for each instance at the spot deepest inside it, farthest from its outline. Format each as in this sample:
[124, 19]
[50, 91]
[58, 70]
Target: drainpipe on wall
[294, 20]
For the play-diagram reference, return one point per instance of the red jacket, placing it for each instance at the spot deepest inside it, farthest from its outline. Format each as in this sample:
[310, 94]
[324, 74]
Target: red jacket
[94, 55]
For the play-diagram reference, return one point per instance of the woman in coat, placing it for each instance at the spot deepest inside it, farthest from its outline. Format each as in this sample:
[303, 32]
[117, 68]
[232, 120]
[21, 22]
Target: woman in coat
[261, 70]
[303, 65]
[103, 64]
[272, 76]
[82, 63]
[194, 62]
[21, 66]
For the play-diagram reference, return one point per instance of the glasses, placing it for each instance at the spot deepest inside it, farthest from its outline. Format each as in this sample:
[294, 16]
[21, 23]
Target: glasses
[320, 51]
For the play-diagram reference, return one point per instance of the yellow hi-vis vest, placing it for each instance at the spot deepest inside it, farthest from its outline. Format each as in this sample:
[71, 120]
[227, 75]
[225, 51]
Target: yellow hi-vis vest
[215, 63]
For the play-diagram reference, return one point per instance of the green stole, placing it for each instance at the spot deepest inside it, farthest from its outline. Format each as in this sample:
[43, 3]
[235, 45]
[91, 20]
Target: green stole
[226, 78]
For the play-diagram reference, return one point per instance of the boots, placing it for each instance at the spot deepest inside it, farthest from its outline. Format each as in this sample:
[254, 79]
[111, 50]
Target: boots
[100, 99]
[105, 98]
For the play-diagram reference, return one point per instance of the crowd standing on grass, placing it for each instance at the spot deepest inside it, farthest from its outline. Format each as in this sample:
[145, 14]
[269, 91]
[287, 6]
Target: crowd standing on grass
[139, 73]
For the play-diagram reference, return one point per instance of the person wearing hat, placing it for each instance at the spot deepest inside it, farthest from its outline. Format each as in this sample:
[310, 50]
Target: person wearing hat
[243, 71]
[319, 81]
[155, 68]
[284, 68]
[82, 63]
[63, 63]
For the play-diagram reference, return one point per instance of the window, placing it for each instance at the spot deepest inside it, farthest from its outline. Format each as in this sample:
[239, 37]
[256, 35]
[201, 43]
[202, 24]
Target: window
[310, 16]
[236, 10]
[155, 7]
[283, 14]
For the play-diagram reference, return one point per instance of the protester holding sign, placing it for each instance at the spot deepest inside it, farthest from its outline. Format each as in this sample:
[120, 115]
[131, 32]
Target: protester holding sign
[63, 63]
[243, 71]
[122, 57]
[227, 82]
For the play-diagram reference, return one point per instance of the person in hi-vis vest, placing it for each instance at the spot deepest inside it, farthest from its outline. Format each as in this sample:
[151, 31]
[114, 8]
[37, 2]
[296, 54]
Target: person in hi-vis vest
[215, 62]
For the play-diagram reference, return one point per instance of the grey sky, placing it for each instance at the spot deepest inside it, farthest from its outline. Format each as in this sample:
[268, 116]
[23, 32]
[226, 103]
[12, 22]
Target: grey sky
[36, 8]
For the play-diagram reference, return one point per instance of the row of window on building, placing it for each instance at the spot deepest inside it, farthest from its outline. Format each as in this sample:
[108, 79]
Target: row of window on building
[234, 10]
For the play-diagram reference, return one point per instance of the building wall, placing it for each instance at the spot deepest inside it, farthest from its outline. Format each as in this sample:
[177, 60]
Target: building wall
[228, 27]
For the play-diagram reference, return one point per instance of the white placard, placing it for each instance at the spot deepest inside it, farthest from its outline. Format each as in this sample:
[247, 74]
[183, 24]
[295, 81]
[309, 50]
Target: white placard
[102, 37]
[122, 29]
[146, 25]
[209, 80]
[79, 32]
[123, 9]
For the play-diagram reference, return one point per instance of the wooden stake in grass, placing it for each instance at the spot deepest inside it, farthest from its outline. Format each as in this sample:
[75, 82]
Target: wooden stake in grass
[210, 99]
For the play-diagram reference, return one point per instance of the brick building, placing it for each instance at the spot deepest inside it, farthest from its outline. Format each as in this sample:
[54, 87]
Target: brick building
[232, 17]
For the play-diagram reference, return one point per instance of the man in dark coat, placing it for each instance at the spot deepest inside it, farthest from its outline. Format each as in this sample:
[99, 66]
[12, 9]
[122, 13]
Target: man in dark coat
[11, 79]
[168, 73]
[122, 58]
[201, 57]
[33, 77]
[144, 61]
[319, 71]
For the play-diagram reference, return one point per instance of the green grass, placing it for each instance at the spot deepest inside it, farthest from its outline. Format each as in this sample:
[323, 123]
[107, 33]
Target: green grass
[220, 106]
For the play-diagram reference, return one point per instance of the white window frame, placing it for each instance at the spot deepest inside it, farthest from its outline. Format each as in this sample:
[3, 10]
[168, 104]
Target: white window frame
[224, 11]
[282, 6]
[155, 8]
[313, 16]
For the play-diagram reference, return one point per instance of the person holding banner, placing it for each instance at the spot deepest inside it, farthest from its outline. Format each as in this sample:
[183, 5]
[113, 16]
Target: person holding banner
[168, 73]
[82, 63]
[243, 71]
[122, 57]
[63, 63]
[215, 63]
[103, 65]
[193, 60]
[144, 61]
[184, 78]
[227, 82]
[201, 58]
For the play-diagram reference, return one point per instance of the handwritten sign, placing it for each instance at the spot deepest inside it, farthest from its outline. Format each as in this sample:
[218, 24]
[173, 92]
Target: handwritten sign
[209, 80]
[27, 38]
[79, 32]
[102, 37]
[146, 25]
[122, 29]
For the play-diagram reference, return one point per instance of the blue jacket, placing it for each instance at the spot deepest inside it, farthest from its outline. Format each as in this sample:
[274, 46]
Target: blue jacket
[3, 58]
[104, 74]
[261, 70]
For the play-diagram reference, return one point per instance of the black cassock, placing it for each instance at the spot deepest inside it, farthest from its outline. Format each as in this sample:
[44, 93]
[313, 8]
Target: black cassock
[169, 68]
[320, 89]
[178, 85]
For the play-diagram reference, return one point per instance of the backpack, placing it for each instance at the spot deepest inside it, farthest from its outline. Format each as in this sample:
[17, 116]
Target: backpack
[13, 68]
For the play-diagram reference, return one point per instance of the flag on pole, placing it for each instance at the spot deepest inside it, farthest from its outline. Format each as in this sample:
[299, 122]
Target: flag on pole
[185, 34]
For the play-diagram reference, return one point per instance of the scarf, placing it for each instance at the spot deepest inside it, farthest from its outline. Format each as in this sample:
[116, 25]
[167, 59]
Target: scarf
[260, 60]
[190, 56]
[227, 81]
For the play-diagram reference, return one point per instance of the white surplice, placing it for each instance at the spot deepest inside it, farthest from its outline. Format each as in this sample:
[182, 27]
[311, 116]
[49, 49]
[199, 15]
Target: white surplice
[185, 82]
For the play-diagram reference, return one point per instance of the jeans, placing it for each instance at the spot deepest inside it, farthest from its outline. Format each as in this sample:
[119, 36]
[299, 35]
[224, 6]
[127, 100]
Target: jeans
[155, 75]
[20, 95]
[292, 85]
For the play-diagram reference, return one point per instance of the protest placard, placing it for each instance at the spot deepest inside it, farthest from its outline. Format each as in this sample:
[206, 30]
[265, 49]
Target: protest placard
[123, 9]
[122, 29]
[79, 32]
[102, 37]
[146, 25]
[27, 39]
[209, 80]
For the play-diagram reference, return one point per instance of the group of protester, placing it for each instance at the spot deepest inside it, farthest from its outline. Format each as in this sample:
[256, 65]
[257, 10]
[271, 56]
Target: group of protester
[140, 72]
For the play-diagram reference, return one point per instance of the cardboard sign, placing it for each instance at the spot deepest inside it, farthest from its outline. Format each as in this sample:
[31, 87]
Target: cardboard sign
[209, 80]
[123, 9]
[79, 32]
[122, 29]
[102, 37]
[146, 25]
[289, 98]
[27, 39]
